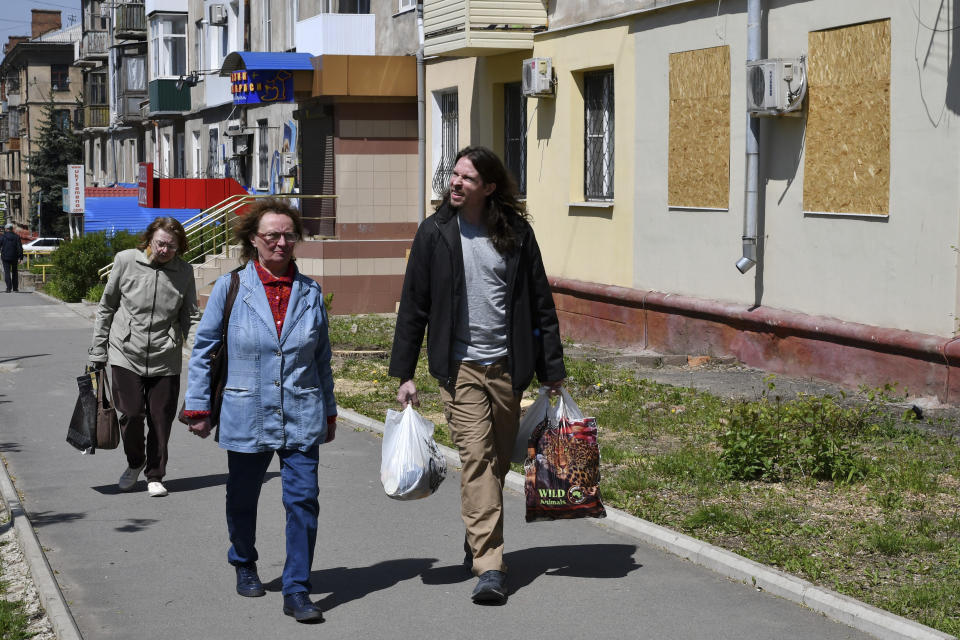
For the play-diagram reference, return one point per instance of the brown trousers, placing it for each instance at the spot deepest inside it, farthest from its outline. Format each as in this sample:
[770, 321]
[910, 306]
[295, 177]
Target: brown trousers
[483, 414]
[152, 399]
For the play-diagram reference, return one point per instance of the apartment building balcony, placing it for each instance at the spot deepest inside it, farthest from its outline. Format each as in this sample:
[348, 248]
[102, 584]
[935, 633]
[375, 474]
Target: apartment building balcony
[93, 48]
[481, 27]
[131, 21]
[96, 116]
[165, 98]
[337, 34]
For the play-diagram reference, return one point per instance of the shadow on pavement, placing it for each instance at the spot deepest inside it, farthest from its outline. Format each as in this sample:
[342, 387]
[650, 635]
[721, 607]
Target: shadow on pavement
[18, 358]
[574, 560]
[43, 518]
[179, 485]
[135, 525]
[344, 585]
[10, 446]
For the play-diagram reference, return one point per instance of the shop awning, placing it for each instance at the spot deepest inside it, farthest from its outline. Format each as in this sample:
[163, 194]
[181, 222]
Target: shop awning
[265, 61]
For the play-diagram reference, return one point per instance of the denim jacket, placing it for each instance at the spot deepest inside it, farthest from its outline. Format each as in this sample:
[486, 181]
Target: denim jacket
[279, 391]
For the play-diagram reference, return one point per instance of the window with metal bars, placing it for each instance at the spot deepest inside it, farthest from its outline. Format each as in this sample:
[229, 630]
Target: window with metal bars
[515, 134]
[213, 166]
[598, 135]
[449, 134]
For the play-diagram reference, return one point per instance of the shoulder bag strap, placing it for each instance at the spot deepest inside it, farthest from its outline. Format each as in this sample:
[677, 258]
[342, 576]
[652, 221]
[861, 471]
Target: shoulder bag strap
[228, 305]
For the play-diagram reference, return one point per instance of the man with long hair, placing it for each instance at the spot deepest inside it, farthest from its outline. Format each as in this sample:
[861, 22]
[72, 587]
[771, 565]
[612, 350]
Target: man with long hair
[476, 278]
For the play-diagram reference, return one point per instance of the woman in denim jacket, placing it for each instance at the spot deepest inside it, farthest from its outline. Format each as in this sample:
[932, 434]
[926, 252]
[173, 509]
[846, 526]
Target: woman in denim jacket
[278, 396]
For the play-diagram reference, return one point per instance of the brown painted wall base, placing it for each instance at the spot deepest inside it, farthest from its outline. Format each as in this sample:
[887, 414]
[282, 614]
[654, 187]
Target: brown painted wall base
[775, 340]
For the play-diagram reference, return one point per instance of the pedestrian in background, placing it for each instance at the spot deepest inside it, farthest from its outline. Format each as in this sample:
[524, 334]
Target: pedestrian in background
[142, 322]
[11, 253]
[476, 278]
[278, 397]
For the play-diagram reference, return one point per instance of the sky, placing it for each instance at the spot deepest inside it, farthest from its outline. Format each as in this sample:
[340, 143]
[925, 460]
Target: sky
[15, 15]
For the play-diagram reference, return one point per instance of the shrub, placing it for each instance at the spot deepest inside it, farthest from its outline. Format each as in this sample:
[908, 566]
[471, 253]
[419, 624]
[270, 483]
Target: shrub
[95, 292]
[76, 264]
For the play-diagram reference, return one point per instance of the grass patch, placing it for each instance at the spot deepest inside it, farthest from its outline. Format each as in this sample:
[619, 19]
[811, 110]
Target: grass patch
[842, 491]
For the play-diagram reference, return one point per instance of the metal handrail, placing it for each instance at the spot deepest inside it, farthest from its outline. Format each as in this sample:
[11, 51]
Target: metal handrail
[217, 216]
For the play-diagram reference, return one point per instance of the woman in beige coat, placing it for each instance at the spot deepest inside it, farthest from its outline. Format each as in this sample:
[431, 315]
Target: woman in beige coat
[142, 322]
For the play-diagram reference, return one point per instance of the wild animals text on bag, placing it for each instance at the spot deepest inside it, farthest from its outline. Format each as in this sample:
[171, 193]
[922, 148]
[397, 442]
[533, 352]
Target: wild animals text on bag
[562, 470]
[108, 423]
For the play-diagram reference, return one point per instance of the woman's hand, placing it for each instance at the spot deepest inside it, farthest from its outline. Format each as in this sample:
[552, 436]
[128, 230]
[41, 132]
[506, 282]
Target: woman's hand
[200, 427]
[407, 394]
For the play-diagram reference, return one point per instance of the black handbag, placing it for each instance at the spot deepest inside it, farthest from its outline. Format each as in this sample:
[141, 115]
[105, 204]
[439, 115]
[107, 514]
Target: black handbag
[218, 359]
[82, 430]
[108, 423]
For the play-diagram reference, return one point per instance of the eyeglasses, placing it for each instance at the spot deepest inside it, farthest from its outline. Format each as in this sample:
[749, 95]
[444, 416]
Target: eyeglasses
[169, 246]
[274, 237]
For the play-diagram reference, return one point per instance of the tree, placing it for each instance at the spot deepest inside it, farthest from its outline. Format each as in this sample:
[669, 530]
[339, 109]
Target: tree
[57, 146]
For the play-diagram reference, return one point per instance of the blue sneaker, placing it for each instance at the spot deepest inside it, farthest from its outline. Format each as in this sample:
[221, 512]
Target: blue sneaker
[248, 582]
[491, 588]
[299, 606]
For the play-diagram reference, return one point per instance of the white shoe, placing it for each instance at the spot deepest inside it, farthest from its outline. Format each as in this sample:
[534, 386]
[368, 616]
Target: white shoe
[156, 490]
[128, 479]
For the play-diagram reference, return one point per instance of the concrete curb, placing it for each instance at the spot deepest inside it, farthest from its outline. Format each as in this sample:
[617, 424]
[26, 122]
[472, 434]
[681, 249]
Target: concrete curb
[55, 605]
[853, 613]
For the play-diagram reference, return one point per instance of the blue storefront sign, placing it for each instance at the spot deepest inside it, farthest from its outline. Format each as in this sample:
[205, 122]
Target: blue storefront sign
[255, 87]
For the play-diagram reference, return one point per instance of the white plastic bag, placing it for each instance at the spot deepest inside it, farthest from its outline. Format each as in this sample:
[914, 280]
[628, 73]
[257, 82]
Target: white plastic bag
[542, 409]
[412, 466]
[534, 416]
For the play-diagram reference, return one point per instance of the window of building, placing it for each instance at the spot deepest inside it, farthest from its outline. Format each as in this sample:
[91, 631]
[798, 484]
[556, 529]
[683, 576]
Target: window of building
[103, 159]
[266, 24]
[14, 123]
[61, 118]
[263, 155]
[60, 77]
[406, 4]
[345, 6]
[179, 154]
[98, 88]
[198, 45]
[598, 135]
[699, 154]
[95, 17]
[446, 133]
[846, 162]
[213, 167]
[515, 134]
[168, 38]
[197, 155]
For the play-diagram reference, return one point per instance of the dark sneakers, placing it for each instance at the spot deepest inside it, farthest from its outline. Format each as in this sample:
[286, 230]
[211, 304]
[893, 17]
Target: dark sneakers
[248, 582]
[491, 588]
[299, 606]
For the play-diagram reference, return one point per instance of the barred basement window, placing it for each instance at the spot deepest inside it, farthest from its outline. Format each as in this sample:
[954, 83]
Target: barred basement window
[598, 135]
[515, 134]
[448, 141]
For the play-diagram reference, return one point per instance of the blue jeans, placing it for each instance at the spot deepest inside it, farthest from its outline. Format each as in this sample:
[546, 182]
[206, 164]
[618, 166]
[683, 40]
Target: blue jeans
[298, 477]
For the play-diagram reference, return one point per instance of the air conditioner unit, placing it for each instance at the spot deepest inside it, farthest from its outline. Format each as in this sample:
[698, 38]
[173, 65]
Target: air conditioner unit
[776, 86]
[218, 14]
[537, 77]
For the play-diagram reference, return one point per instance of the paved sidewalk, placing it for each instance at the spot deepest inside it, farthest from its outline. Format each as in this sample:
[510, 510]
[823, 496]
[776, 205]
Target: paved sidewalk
[131, 566]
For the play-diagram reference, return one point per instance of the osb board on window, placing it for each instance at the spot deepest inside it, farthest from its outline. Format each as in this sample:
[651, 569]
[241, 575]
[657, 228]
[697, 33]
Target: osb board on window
[699, 163]
[847, 164]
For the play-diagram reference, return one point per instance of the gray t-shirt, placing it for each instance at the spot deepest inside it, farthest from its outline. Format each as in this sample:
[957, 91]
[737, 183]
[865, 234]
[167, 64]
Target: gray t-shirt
[482, 316]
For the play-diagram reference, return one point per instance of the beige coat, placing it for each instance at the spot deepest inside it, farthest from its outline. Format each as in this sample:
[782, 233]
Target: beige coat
[145, 315]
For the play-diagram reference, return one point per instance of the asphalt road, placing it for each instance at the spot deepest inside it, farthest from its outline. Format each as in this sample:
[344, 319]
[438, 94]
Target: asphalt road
[131, 566]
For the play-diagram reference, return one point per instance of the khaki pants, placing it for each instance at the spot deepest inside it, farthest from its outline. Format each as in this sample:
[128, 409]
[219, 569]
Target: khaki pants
[483, 414]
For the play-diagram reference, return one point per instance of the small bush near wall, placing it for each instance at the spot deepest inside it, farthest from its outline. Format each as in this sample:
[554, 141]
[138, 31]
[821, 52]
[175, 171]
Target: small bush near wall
[76, 264]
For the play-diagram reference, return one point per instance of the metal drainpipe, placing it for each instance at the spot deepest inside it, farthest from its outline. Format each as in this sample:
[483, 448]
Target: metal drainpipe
[421, 120]
[751, 198]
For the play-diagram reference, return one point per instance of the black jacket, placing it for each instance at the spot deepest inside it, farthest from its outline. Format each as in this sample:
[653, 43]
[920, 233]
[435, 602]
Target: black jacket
[11, 249]
[433, 289]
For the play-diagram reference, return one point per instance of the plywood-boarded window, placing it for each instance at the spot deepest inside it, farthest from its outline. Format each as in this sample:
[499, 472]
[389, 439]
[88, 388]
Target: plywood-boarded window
[699, 164]
[847, 163]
